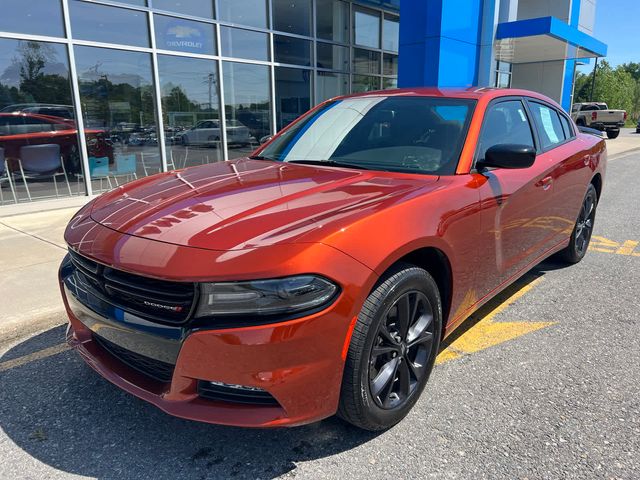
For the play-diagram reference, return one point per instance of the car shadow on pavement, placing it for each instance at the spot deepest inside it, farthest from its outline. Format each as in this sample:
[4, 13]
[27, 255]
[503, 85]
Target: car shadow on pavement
[65, 415]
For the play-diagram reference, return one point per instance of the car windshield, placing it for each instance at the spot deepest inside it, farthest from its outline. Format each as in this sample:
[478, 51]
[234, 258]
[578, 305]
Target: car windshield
[401, 134]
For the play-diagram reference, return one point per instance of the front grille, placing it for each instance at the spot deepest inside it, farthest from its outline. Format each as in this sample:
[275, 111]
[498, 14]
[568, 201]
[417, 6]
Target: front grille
[235, 394]
[150, 367]
[156, 300]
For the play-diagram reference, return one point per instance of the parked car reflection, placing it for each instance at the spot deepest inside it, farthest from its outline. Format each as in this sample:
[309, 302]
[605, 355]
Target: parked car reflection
[18, 130]
[207, 133]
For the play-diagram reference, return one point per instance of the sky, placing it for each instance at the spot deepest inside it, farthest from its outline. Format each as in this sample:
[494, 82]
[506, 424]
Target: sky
[618, 25]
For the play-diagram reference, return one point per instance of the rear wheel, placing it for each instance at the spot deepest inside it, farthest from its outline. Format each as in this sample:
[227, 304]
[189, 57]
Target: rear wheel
[611, 134]
[581, 235]
[393, 348]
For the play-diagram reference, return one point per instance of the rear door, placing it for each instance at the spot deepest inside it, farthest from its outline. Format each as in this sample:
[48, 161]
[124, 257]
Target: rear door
[572, 173]
[516, 203]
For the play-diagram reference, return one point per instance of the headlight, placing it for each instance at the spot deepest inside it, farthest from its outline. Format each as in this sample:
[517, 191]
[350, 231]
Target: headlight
[265, 297]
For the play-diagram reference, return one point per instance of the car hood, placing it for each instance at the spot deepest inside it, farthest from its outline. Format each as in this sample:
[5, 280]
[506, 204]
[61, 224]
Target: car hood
[251, 203]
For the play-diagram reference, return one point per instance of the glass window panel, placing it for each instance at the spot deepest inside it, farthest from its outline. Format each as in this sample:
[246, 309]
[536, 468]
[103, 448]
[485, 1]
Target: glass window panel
[197, 8]
[36, 109]
[102, 23]
[504, 80]
[244, 12]
[41, 17]
[240, 43]
[332, 20]
[331, 56]
[247, 105]
[139, 3]
[548, 124]
[366, 28]
[292, 50]
[329, 84]
[292, 16]
[389, 83]
[390, 64]
[293, 94]
[184, 35]
[505, 122]
[116, 91]
[391, 33]
[366, 61]
[190, 110]
[365, 83]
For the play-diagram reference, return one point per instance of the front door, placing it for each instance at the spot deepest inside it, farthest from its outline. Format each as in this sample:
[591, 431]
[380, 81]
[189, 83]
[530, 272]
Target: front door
[517, 204]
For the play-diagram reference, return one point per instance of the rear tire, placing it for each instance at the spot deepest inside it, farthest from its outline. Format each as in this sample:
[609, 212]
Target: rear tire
[582, 230]
[393, 348]
[611, 134]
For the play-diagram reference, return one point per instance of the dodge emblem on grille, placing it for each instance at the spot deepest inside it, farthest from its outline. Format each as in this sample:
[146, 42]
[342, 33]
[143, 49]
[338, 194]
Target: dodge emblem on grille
[164, 307]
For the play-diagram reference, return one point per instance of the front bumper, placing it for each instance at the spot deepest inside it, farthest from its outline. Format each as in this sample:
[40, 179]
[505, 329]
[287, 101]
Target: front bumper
[298, 362]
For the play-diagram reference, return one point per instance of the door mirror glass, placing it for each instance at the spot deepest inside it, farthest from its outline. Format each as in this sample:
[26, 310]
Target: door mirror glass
[508, 156]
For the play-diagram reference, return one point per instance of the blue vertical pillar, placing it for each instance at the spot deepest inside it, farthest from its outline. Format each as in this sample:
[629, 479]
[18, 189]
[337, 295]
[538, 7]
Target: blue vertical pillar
[570, 65]
[440, 42]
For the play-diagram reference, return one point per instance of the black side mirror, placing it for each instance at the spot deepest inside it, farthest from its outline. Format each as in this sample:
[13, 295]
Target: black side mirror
[508, 156]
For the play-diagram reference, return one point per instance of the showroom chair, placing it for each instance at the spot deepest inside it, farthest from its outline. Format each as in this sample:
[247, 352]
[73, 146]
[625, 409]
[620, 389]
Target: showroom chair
[148, 160]
[5, 175]
[98, 170]
[42, 161]
[125, 167]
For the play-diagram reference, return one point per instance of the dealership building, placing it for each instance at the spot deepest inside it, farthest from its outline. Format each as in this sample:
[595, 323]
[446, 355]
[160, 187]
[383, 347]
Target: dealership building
[94, 93]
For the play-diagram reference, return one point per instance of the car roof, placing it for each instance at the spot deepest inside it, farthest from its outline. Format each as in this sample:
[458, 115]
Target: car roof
[474, 93]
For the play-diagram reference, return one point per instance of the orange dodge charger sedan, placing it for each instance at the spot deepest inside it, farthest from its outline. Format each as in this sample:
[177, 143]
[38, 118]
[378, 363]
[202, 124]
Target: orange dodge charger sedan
[320, 275]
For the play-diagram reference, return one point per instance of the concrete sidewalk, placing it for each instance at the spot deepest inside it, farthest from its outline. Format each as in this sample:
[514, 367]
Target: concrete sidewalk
[31, 248]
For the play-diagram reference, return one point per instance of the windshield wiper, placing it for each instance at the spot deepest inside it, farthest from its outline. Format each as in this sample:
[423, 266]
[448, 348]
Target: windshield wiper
[260, 157]
[330, 163]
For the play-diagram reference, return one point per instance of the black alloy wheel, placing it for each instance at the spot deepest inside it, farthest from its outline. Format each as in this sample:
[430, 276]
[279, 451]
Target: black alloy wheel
[398, 359]
[392, 350]
[583, 229]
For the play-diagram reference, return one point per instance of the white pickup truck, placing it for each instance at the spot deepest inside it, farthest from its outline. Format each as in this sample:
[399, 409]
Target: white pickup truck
[598, 116]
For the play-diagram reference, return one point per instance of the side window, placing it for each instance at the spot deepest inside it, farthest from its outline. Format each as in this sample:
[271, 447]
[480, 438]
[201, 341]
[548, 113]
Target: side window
[566, 125]
[505, 123]
[548, 123]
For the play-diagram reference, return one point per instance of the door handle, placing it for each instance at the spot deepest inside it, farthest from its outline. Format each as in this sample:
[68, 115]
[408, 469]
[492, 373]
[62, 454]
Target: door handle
[545, 183]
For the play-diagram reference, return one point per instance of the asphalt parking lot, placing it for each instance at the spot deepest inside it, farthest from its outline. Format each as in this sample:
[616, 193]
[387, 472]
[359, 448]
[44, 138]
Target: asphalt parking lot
[544, 382]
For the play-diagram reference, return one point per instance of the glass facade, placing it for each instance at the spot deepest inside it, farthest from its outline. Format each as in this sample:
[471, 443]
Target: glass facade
[117, 90]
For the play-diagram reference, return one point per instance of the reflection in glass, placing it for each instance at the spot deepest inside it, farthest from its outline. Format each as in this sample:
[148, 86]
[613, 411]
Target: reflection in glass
[329, 84]
[293, 94]
[240, 43]
[292, 16]
[366, 61]
[332, 20]
[332, 57]
[41, 17]
[243, 12]
[102, 23]
[36, 111]
[292, 50]
[197, 8]
[116, 91]
[366, 28]
[247, 105]
[364, 83]
[184, 35]
[390, 64]
[391, 33]
[389, 83]
[190, 110]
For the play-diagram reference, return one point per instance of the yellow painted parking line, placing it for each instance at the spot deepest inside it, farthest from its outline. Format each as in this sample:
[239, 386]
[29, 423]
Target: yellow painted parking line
[486, 332]
[606, 245]
[32, 357]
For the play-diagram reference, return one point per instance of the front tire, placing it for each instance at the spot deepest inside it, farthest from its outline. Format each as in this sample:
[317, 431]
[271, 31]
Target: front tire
[393, 348]
[582, 230]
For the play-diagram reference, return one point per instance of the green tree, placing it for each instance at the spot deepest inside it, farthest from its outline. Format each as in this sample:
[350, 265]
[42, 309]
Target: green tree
[614, 86]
